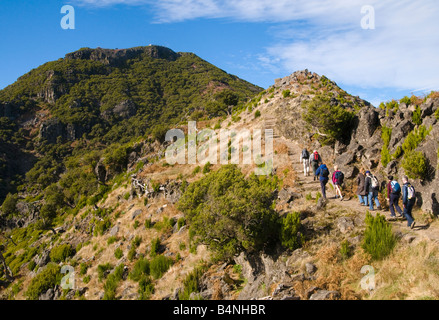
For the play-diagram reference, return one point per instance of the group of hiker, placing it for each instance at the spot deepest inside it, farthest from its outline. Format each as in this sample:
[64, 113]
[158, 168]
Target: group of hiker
[367, 187]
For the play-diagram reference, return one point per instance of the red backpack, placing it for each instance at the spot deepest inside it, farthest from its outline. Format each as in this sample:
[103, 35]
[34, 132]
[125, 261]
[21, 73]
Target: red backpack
[316, 156]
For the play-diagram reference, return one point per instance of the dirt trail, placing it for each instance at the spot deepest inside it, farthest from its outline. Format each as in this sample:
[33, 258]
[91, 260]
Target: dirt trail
[307, 185]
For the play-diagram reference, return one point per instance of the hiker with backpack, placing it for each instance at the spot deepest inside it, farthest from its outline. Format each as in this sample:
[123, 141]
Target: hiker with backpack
[372, 187]
[408, 201]
[361, 188]
[304, 158]
[393, 195]
[315, 161]
[337, 181]
[323, 172]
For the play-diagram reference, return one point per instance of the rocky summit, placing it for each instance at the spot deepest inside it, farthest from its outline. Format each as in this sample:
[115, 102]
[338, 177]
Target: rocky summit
[86, 185]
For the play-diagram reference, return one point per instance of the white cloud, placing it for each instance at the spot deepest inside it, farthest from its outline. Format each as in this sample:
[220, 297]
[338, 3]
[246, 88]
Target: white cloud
[326, 37]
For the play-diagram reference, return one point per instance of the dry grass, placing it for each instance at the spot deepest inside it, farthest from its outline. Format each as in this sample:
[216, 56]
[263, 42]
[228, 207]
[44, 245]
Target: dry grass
[410, 273]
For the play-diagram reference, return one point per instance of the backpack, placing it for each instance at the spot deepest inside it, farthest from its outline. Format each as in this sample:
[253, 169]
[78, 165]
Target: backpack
[374, 181]
[339, 176]
[395, 187]
[316, 156]
[325, 172]
[305, 154]
[410, 192]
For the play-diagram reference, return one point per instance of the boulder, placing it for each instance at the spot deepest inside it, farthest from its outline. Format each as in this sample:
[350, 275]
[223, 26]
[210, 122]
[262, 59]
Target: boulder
[136, 213]
[368, 122]
[399, 132]
[345, 224]
[325, 295]
[310, 268]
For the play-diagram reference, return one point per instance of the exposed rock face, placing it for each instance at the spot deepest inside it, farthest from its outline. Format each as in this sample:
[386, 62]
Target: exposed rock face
[8, 110]
[116, 56]
[53, 128]
[123, 110]
[367, 122]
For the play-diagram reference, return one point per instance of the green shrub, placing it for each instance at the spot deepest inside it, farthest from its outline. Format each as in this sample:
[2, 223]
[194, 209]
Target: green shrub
[290, 236]
[416, 118]
[405, 100]
[332, 122]
[206, 168]
[118, 253]
[196, 170]
[145, 201]
[136, 224]
[102, 269]
[148, 223]
[141, 267]
[165, 225]
[31, 265]
[146, 288]
[61, 253]
[86, 279]
[159, 265]
[111, 240]
[46, 279]
[230, 213]
[436, 114]
[415, 165]
[136, 241]
[112, 282]
[9, 204]
[131, 253]
[286, 93]
[397, 153]
[345, 250]
[155, 246]
[180, 223]
[83, 268]
[379, 239]
[102, 226]
[257, 114]
[191, 283]
[414, 138]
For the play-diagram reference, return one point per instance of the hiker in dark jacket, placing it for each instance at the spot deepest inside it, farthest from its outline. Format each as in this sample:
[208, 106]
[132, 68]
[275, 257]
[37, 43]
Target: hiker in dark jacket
[315, 161]
[304, 158]
[372, 190]
[361, 188]
[393, 195]
[323, 172]
[408, 201]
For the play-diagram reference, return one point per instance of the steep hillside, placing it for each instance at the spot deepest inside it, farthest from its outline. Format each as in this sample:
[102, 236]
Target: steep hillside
[93, 98]
[154, 230]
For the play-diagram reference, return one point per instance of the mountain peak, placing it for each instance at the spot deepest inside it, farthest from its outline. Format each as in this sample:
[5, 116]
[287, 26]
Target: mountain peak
[111, 56]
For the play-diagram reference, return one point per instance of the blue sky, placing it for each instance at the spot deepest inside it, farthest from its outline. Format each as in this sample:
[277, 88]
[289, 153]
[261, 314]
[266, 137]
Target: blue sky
[253, 39]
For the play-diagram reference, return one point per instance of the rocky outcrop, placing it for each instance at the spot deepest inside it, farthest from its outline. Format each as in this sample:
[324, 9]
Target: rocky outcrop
[53, 129]
[123, 110]
[119, 56]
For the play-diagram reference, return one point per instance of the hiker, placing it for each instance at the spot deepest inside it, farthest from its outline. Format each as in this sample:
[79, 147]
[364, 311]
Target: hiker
[315, 161]
[372, 188]
[337, 181]
[408, 201]
[393, 195]
[361, 188]
[304, 158]
[323, 172]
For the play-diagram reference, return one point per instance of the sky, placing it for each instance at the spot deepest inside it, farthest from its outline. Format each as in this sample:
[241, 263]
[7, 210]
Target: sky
[376, 49]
